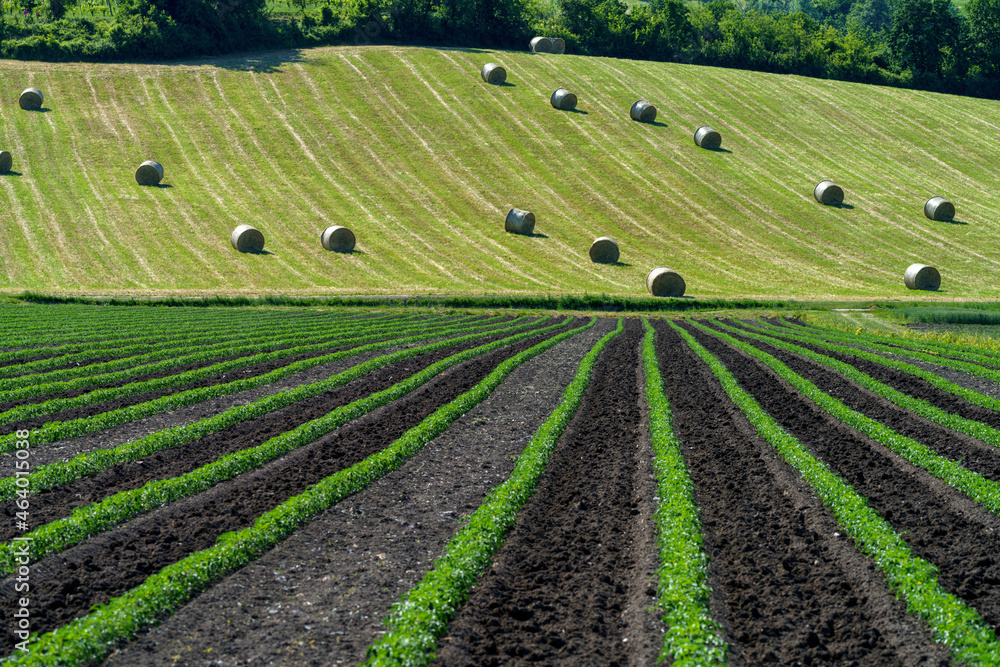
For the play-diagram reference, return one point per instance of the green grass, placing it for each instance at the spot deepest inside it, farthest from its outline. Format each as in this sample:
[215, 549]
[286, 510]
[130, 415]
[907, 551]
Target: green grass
[422, 160]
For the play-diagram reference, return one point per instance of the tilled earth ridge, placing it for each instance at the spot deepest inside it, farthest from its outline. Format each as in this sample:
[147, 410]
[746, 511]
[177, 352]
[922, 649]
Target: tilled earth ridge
[564, 586]
[70, 583]
[787, 589]
[320, 597]
[940, 524]
[59, 502]
[973, 454]
[912, 385]
[126, 401]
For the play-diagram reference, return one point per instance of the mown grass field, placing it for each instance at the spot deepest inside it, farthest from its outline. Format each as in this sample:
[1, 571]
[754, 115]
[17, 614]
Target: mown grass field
[409, 148]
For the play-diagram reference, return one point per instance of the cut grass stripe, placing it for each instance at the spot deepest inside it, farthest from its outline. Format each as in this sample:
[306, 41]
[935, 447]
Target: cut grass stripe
[978, 430]
[692, 637]
[89, 638]
[55, 431]
[953, 623]
[113, 510]
[984, 491]
[425, 611]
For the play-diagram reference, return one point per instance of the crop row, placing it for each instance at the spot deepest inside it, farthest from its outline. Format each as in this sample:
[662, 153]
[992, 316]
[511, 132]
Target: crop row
[54, 431]
[90, 637]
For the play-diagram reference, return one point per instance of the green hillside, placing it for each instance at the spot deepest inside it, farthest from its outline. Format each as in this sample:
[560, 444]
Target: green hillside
[410, 149]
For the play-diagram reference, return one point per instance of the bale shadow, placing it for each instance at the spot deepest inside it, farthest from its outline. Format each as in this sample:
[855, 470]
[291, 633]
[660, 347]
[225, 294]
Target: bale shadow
[258, 252]
[506, 84]
[842, 205]
[11, 173]
[954, 222]
[353, 251]
[39, 110]
[162, 185]
[720, 150]
[579, 111]
[536, 235]
[655, 123]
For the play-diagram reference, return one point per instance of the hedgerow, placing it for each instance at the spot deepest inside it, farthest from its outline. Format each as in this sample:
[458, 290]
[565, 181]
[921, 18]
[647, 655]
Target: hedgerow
[89, 638]
[423, 615]
[953, 623]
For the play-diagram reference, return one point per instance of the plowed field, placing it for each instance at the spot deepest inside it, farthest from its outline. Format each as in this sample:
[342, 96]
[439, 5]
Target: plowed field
[395, 488]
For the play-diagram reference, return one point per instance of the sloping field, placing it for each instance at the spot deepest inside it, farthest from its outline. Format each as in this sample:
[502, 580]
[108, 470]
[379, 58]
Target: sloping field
[409, 148]
[379, 487]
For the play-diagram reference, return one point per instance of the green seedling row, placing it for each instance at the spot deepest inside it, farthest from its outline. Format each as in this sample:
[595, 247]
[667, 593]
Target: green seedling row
[953, 623]
[113, 510]
[89, 638]
[69, 379]
[979, 430]
[423, 615]
[692, 637]
[62, 472]
[984, 491]
[54, 431]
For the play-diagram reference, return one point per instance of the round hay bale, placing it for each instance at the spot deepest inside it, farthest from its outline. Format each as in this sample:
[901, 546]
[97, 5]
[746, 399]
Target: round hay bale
[939, 208]
[604, 250]
[337, 239]
[6, 161]
[247, 239]
[662, 281]
[149, 172]
[563, 99]
[493, 73]
[31, 99]
[829, 193]
[707, 138]
[541, 45]
[519, 222]
[643, 111]
[921, 276]
[558, 44]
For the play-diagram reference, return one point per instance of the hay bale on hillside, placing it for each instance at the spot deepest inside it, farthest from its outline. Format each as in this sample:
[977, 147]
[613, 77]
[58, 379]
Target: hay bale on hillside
[921, 276]
[337, 239]
[31, 99]
[247, 239]
[493, 73]
[829, 193]
[939, 208]
[519, 222]
[558, 44]
[6, 161]
[643, 111]
[662, 281]
[149, 172]
[541, 45]
[604, 250]
[563, 99]
[707, 138]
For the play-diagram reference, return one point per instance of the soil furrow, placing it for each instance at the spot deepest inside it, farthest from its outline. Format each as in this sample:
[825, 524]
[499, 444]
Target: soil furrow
[940, 524]
[70, 583]
[573, 582]
[910, 384]
[107, 406]
[785, 587]
[973, 454]
[59, 502]
[320, 597]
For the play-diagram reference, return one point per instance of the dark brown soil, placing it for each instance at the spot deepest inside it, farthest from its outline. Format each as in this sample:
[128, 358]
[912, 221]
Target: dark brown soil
[941, 525]
[786, 588]
[70, 583]
[59, 502]
[319, 598]
[573, 581]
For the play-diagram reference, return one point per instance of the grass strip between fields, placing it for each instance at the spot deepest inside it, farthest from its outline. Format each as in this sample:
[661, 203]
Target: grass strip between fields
[185, 351]
[978, 430]
[933, 378]
[253, 352]
[953, 623]
[120, 507]
[984, 491]
[55, 431]
[89, 638]
[425, 611]
[61, 472]
[692, 637]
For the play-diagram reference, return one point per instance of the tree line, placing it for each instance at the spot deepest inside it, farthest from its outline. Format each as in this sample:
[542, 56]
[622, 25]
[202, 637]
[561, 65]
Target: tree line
[925, 44]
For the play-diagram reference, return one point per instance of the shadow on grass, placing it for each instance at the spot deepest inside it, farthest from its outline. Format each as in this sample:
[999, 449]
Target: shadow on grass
[847, 207]
[162, 185]
[579, 111]
[719, 150]
[536, 235]
[11, 173]
[258, 252]
[954, 222]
